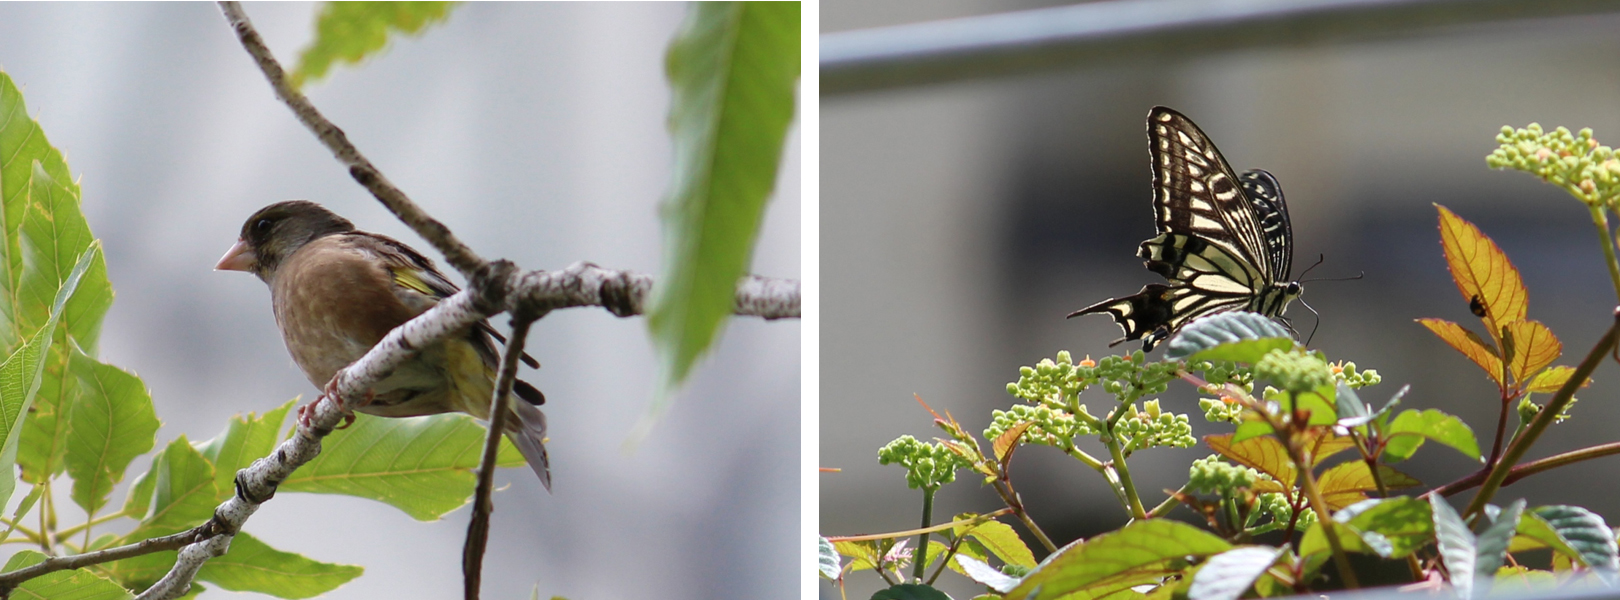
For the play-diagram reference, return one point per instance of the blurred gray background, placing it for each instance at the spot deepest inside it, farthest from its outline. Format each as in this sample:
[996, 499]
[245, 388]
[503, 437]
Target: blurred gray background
[536, 131]
[962, 222]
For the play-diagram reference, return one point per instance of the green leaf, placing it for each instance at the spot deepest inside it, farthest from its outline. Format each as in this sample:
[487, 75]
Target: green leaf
[732, 68]
[182, 492]
[1000, 539]
[113, 422]
[1138, 553]
[910, 591]
[21, 379]
[56, 237]
[22, 144]
[348, 32]
[1401, 524]
[1251, 428]
[23, 507]
[253, 566]
[421, 465]
[1585, 532]
[1230, 573]
[1409, 429]
[1457, 546]
[863, 555]
[983, 573]
[77, 584]
[1491, 548]
[827, 559]
[245, 439]
[1233, 336]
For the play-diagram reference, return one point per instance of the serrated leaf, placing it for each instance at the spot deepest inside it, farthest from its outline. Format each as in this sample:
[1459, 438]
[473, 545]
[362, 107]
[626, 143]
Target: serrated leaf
[56, 239]
[1585, 532]
[1004, 443]
[1228, 574]
[1402, 524]
[21, 377]
[733, 69]
[1550, 380]
[1456, 542]
[1235, 336]
[1469, 344]
[22, 144]
[421, 465]
[348, 32]
[1347, 483]
[1521, 580]
[1482, 272]
[1492, 544]
[1138, 553]
[245, 439]
[77, 584]
[113, 422]
[1001, 540]
[1534, 533]
[863, 555]
[827, 559]
[1409, 429]
[182, 492]
[1534, 347]
[983, 573]
[910, 591]
[1263, 454]
[253, 566]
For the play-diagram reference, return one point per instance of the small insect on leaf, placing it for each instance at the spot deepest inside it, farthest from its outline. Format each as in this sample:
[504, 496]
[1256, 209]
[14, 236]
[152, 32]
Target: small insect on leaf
[1476, 306]
[1482, 272]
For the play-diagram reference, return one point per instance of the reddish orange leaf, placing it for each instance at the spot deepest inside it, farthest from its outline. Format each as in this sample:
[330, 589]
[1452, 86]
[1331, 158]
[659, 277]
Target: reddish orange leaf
[1534, 347]
[1347, 483]
[1467, 343]
[1329, 445]
[1005, 442]
[1550, 380]
[1484, 275]
[1263, 453]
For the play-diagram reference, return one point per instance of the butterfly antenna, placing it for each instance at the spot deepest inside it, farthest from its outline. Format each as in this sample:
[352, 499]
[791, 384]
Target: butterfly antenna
[1318, 320]
[1319, 259]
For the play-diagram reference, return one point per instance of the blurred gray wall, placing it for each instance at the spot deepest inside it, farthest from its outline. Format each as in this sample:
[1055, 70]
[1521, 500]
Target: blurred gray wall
[961, 222]
[536, 131]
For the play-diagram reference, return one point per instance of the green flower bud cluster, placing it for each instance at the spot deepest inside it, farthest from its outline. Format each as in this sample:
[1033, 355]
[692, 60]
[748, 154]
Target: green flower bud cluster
[1528, 411]
[1276, 506]
[1218, 410]
[1055, 384]
[1153, 428]
[1049, 427]
[927, 466]
[1294, 370]
[1345, 372]
[1211, 474]
[1574, 162]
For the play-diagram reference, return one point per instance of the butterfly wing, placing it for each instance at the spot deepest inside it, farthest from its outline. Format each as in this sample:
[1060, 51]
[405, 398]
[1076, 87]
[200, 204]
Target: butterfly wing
[1223, 243]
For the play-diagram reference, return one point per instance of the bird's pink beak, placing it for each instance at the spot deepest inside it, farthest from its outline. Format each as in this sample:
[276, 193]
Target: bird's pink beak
[239, 258]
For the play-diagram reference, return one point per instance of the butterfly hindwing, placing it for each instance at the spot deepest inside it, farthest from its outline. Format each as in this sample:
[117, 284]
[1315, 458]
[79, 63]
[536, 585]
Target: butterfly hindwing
[1224, 240]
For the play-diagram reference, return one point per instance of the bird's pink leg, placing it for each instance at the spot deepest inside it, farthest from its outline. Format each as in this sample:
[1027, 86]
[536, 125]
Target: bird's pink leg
[306, 412]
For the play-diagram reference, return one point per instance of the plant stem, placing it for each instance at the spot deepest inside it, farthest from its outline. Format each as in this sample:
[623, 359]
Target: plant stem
[1326, 519]
[1169, 503]
[910, 532]
[922, 540]
[1532, 467]
[1601, 220]
[1132, 501]
[1520, 445]
[88, 524]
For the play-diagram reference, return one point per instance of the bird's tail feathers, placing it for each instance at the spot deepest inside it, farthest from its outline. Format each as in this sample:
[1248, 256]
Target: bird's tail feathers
[528, 433]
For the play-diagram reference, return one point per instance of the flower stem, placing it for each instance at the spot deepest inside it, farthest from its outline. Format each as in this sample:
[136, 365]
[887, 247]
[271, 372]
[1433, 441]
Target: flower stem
[922, 540]
[1601, 221]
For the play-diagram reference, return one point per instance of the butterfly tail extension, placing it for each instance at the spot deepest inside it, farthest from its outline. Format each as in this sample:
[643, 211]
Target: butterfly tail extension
[528, 433]
[1142, 316]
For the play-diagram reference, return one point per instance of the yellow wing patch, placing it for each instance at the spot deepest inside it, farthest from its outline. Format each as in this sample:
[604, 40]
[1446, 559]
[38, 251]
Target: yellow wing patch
[407, 278]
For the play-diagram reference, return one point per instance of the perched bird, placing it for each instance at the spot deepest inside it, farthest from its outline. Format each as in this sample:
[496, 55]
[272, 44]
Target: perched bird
[337, 291]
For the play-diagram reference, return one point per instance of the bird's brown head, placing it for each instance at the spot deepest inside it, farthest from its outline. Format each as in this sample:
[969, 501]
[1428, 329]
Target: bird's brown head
[276, 232]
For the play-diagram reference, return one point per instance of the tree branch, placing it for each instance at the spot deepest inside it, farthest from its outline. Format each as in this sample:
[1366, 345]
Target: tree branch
[455, 252]
[472, 553]
[624, 293]
[10, 581]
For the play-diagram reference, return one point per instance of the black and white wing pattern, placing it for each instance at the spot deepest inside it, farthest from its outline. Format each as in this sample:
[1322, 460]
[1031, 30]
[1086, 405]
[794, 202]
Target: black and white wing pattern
[1224, 239]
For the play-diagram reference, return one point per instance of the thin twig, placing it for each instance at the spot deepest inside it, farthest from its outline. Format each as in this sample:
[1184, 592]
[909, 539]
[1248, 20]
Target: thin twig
[472, 552]
[455, 252]
[1548, 414]
[10, 581]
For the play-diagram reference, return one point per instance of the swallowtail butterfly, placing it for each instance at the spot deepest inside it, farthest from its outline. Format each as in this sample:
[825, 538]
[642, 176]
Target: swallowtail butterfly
[1224, 240]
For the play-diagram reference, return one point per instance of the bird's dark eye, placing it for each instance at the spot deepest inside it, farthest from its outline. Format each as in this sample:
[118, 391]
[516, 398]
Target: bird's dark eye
[262, 226]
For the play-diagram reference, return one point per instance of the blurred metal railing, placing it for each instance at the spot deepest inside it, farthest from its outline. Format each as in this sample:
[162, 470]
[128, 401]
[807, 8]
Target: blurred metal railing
[1096, 33]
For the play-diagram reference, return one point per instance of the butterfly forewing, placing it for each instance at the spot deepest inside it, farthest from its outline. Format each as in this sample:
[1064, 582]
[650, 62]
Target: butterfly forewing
[1224, 240]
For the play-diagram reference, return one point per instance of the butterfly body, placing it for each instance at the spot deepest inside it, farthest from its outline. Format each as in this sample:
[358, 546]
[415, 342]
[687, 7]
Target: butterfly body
[1224, 243]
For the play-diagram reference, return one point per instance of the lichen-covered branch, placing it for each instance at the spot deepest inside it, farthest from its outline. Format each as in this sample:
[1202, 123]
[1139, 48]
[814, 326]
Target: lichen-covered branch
[10, 581]
[624, 293]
